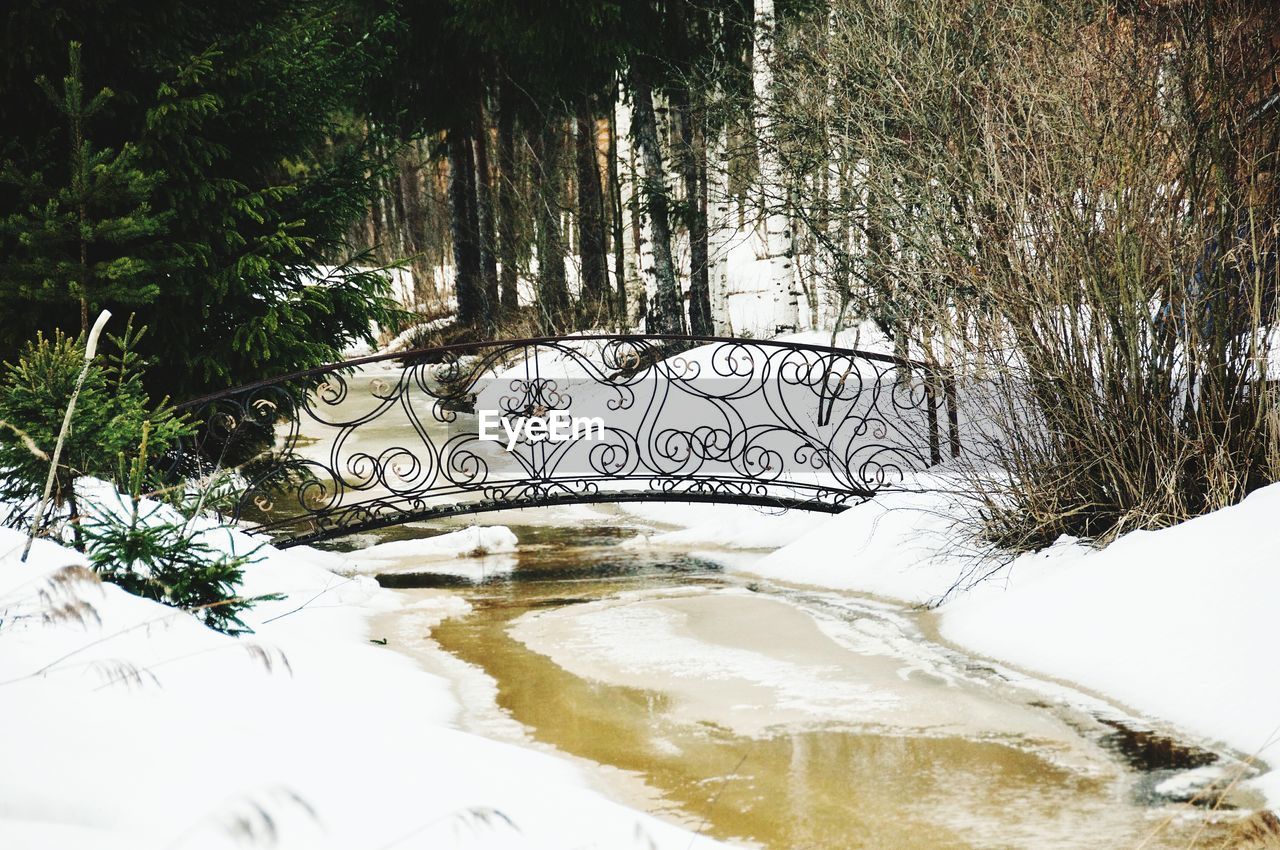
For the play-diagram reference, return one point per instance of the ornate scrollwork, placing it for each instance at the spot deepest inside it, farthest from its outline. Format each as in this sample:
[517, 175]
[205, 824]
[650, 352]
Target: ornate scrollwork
[383, 440]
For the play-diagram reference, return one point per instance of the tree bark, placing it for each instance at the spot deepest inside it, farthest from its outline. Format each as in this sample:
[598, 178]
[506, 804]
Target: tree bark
[666, 316]
[721, 227]
[508, 225]
[631, 286]
[546, 145]
[416, 211]
[594, 298]
[778, 236]
[617, 231]
[466, 248]
[693, 154]
[489, 299]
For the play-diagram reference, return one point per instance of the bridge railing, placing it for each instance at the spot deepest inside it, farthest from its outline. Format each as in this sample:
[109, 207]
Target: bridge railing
[596, 418]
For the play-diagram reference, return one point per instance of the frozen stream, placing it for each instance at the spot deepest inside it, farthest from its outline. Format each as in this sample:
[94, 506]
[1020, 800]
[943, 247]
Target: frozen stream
[774, 716]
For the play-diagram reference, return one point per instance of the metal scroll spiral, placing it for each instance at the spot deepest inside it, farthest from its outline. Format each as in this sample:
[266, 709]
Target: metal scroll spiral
[396, 438]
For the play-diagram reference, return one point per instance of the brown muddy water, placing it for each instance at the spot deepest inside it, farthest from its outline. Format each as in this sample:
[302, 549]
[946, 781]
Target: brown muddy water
[782, 717]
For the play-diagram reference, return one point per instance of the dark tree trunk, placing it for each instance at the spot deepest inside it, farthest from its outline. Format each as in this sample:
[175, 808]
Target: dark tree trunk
[594, 300]
[667, 315]
[376, 234]
[693, 167]
[508, 226]
[547, 146]
[411, 177]
[484, 218]
[466, 248]
[619, 249]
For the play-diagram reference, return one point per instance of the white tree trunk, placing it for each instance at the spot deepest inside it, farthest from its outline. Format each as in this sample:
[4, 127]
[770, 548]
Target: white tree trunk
[778, 239]
[831, 269]
[632, 226]
[647, 283]
[647, 261]
[721, 229]
[648, 275]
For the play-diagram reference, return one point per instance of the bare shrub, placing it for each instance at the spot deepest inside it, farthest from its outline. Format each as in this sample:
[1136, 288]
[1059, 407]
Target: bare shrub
[1072, 205]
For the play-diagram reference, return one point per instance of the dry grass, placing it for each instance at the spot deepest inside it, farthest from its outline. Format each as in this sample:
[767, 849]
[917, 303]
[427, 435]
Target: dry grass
[1259, 832]
[57, 598]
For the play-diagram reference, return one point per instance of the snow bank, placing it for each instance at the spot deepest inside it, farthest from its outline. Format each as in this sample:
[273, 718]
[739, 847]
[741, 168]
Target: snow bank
[126, 724]
[475, 553]
[1178, 624]
[899, 545]
[475, 541]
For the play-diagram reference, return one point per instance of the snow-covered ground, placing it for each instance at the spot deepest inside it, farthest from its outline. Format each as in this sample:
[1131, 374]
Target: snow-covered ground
[130, 725]
[126, 724]
[1178, 624]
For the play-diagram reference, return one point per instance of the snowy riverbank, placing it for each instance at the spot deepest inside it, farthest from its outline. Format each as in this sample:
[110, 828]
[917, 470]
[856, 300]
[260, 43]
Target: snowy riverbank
[131, 725]
[125, 724]
[1178, 624]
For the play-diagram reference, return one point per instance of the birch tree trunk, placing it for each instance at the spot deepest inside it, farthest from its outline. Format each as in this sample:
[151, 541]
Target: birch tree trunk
[632, 286]
[721, 227]
[647, 290]
[617, 227]
[666, 315]
[778, 237]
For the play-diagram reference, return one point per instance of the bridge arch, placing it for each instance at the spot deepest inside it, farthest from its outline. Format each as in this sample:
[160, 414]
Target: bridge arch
[388, 439]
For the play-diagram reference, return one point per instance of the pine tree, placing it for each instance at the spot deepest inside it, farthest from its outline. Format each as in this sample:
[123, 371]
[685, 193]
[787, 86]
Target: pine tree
[215, 199]
[83, 241]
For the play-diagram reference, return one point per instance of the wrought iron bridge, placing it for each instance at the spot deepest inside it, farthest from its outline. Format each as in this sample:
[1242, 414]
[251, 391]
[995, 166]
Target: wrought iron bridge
[390, 439]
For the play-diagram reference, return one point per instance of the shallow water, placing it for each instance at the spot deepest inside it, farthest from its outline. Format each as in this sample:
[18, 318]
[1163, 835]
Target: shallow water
[789, 718]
